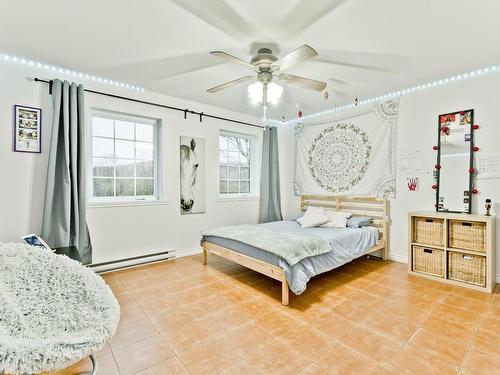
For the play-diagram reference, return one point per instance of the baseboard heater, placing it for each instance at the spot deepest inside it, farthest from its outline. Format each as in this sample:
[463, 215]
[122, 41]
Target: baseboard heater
[132, 262]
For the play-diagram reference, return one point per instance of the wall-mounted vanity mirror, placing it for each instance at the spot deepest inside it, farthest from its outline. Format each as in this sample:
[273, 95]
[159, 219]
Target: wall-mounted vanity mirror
[455, 162]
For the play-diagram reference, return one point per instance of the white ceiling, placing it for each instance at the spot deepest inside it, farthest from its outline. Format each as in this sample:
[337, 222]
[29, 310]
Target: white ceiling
[366, 47]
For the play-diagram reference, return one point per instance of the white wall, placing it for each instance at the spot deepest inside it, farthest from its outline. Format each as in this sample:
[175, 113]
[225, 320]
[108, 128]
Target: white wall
[117, 232]
[418, 120]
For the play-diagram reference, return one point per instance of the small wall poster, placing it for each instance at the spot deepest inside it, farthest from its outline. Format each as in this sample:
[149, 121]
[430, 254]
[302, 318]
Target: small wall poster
[410, 157]
[488, 166]
[27, 129]
[192, 170]
[412, 183]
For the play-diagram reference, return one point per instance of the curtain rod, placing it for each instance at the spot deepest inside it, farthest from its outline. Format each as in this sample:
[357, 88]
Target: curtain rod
[186, 111]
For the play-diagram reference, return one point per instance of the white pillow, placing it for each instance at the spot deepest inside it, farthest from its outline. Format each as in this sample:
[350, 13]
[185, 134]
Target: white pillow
[314, 217]
[336, 219]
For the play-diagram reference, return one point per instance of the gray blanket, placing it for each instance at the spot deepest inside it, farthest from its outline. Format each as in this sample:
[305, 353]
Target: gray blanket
[293, 247]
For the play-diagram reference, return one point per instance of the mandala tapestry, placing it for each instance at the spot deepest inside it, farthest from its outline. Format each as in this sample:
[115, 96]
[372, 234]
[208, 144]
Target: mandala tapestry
[352, 155]
[338, 157]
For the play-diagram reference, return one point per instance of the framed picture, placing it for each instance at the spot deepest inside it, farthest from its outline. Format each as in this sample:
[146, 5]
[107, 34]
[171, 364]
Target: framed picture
[27, 129]
[465, 118]
[35, 241]
[447, 119]
[192, 169]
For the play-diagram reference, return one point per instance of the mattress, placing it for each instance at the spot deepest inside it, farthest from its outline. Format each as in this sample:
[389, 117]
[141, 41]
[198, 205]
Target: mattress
[346, 244]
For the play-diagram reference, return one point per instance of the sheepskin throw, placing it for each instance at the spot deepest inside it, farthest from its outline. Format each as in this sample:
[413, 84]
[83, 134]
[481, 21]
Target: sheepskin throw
[53, 311]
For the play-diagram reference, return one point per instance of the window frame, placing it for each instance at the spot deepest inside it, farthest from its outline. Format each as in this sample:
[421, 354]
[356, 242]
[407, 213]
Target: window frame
[124, 200]
[254, 167]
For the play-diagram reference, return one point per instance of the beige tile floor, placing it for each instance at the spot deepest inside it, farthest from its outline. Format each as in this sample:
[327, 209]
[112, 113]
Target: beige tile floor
[367, 317]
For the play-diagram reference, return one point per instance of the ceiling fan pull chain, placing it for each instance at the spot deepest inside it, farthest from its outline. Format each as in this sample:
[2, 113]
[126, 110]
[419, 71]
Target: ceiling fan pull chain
[264, 98]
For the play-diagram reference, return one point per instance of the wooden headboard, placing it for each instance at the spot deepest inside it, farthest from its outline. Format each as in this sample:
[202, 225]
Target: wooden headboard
[357, 205]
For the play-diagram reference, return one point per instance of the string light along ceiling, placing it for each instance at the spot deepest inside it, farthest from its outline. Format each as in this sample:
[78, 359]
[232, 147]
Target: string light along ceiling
[56, 69]
[440, 82]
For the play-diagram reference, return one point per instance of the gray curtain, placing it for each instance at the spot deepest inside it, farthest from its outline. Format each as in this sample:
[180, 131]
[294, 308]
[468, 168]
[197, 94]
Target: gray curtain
[64, 217]
[270, 198]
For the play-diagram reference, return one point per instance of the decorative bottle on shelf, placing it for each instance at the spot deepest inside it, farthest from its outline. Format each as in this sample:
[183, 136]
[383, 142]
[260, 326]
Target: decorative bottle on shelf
[487, 206]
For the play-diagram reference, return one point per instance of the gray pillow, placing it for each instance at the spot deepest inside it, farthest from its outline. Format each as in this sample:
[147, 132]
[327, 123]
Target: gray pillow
[298, 216]
[358, 221]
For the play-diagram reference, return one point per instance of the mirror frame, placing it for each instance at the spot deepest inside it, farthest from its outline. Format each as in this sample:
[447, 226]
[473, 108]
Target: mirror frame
[471, 162]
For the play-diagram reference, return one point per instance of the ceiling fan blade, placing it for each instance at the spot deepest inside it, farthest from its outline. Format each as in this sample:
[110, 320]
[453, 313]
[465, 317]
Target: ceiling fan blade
[339, 92]
[220, 15]
[338, 81]
[385, 63]
[229, 84]
[303, 15]
[298, 55]
[146, 71]
[231, 58]
[354, 65]
[304, 82]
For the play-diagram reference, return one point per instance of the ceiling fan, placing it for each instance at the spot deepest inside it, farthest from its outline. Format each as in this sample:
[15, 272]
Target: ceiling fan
[268, 67]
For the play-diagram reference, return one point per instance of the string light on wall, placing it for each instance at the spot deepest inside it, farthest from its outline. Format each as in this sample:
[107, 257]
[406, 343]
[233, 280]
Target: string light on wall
[56, 69]
[440, 82]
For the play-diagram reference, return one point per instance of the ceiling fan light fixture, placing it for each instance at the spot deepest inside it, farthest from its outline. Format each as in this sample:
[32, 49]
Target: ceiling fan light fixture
[274, 92]
[255, 92]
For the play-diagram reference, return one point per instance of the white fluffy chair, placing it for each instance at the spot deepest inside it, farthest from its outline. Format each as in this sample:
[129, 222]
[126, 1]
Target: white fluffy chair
[53, 311]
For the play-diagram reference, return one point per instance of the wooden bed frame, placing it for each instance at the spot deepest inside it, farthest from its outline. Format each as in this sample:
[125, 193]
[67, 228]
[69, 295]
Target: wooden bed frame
[358, 205]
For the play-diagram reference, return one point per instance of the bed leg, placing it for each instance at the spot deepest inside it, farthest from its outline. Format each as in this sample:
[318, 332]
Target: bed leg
[384, 252]
[205, 256]
[284, 293]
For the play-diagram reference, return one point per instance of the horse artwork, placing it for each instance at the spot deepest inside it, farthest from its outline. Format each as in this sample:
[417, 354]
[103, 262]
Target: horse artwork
[192, 168]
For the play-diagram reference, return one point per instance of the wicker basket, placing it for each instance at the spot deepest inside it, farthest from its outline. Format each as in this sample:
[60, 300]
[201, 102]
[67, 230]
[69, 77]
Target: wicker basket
[467, 268]
[429, 261]
[467, 235]
[428, 231]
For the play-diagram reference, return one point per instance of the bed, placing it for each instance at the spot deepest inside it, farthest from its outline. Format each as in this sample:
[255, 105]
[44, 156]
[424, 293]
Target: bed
[345, 244]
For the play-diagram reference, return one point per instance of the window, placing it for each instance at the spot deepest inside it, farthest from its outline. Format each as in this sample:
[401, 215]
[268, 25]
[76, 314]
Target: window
[236, 164]
[124, 158]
